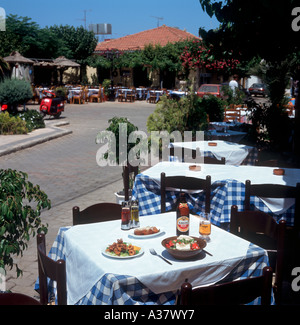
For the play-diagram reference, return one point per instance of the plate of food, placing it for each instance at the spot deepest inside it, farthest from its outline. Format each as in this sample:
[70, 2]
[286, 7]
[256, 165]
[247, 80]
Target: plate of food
[122, 250]
[146, 232]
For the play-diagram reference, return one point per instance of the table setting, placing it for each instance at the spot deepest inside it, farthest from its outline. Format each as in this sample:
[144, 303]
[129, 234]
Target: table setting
[95, 277]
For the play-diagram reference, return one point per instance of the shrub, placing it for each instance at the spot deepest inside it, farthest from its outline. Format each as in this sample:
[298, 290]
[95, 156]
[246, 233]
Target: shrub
[33, 119]
[14, 92]
[170, 115]
[12, 124]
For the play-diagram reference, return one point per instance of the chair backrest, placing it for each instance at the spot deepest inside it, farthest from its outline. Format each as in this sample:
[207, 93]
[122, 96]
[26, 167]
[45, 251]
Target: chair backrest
[261, 229]
[98, 212]
[55, 270]
[231, 293]
[185, 183]
[17, 299]
[127, 170]
[274, 191]
[213, 160]
[232, 114]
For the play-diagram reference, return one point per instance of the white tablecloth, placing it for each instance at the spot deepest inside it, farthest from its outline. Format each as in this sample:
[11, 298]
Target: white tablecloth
[86, 264]
[234, 153]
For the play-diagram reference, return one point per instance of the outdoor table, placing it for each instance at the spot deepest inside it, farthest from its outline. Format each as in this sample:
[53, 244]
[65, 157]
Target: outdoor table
[93, 278]
[234, 154]
[228, 188]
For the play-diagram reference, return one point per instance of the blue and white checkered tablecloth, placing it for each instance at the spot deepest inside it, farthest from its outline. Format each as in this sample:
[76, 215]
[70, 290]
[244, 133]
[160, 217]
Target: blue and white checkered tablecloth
[116, 289]
[225, 193]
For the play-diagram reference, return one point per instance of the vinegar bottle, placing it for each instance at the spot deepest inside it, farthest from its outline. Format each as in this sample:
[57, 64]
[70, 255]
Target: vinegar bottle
[182, 216]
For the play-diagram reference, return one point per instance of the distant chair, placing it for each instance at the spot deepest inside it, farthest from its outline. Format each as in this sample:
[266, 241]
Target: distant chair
[97, 97]
[78, 98]
[232, 114]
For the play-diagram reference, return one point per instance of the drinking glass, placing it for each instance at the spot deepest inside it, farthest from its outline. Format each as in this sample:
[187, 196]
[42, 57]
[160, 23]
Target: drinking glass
[205, 226]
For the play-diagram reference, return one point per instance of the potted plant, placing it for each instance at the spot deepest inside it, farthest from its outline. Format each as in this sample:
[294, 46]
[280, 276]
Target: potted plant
[114, 127]
[106, 85]
[21, 204]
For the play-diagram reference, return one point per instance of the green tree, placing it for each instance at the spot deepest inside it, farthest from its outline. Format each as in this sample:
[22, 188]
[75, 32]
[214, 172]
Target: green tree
[262, 30]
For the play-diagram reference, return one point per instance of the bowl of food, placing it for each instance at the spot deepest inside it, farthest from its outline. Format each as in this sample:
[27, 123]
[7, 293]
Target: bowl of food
[183, 247]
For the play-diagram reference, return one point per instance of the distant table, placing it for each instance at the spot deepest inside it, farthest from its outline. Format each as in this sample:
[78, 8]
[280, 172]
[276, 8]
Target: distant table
[234, 153]
[93, 278]
[228, 188]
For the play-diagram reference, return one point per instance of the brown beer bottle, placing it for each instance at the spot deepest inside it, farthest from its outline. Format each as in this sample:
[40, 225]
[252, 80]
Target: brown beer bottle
[182, 216]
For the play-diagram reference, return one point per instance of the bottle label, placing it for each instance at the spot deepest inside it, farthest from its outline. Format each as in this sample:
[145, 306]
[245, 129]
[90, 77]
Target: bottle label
[183, 224]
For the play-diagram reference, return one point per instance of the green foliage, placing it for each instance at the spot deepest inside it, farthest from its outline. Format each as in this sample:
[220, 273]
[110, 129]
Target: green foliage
[214, 107]
[12, 125]
[106, 84]
[21, 204]
[33, 119]
[15, 91]
[170, 115]
[28, 38]
[114, 127]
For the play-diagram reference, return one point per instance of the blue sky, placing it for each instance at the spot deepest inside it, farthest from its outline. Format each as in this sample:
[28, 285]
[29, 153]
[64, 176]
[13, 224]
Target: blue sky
[126, 17]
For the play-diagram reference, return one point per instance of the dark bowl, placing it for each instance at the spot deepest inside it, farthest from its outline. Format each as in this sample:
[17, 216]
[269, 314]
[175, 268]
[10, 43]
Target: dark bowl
[184, 255]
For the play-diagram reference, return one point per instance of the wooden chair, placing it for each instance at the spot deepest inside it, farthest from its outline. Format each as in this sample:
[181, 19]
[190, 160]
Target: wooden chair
[187, 183]
[261, 229]
[121, 96]
[97, 97]
[17, 299]
[78, 98]
[274, 191]
[98, 212]
[237, 292]
[232, 115]
[131, 95]
[55, 270]
[152, 97]
[127, 170]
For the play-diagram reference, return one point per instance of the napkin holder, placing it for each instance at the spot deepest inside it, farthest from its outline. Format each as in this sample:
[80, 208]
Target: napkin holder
[278, 171]
[195, 167]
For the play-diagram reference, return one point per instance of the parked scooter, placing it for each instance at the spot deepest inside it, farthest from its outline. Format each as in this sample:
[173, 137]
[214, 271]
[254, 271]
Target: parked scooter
[52, 105]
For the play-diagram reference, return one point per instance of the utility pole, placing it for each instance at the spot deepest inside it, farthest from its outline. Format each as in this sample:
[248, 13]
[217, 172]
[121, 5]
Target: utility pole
[84, 17]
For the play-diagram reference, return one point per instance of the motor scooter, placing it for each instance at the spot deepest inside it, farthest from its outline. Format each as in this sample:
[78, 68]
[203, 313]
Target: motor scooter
[52, 105]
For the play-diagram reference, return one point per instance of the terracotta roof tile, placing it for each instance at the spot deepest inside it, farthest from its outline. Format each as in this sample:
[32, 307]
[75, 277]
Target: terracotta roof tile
[160, 35]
